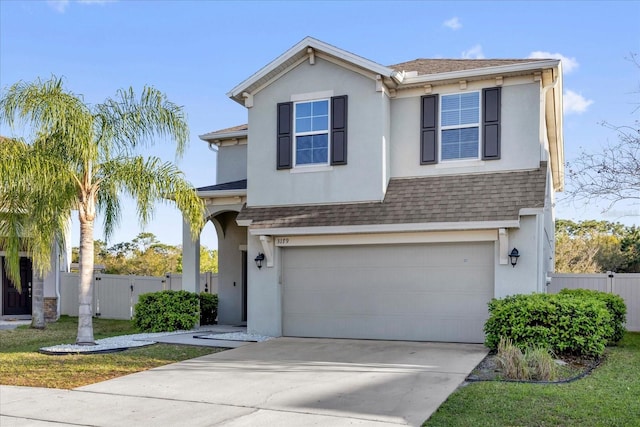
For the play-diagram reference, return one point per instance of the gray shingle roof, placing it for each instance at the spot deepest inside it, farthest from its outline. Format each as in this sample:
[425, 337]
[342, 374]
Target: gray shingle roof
[434, 66]
[234, 185]
[453, 198]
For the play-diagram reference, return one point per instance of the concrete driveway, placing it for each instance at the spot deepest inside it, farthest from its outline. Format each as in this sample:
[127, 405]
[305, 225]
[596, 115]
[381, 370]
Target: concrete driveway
[281, 382]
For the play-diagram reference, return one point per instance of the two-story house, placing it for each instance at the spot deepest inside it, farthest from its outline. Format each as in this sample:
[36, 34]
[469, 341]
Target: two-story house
[384, 202]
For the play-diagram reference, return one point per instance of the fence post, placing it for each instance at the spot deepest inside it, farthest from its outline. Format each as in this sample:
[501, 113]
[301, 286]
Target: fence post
[96, 295]
[610, 280]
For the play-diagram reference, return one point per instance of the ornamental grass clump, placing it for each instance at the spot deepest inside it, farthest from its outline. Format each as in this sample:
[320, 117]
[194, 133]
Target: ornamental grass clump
[511, 361]
[536, 363]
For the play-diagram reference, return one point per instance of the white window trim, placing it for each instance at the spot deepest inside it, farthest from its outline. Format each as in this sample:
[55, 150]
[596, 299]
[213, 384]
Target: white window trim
[465, 126]
[296, 134]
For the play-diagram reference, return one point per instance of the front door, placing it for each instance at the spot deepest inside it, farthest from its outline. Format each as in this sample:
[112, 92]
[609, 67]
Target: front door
[13, 301]
[244, 286]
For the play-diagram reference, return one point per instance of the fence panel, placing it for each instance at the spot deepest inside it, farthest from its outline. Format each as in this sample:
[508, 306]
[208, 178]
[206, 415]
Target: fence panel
[627, 285]
[115, 296]
[597, 282]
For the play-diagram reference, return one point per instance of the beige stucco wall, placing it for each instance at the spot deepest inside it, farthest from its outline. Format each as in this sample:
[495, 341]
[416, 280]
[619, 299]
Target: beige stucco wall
[232, 163]
[520, 136]
[359, 180]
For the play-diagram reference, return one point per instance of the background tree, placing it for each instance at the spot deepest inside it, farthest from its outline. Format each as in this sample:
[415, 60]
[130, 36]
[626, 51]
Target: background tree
[612, 174]
[146, 256]
[84, 157]
[596, 247]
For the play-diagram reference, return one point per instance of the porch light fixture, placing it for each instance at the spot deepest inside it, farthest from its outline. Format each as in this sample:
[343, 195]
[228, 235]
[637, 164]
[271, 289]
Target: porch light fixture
[513, 257]
[259, 260]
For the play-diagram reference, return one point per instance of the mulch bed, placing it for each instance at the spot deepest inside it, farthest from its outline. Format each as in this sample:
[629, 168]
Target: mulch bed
[571, 369]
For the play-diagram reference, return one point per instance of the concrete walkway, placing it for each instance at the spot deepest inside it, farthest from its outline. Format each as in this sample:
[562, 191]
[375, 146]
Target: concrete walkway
[281, 382]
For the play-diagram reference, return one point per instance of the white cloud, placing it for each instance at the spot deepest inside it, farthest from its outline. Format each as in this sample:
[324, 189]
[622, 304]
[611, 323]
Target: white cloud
[575, 103]
[453, 23]
[61, 5]
[568, 64]
[58, 5]
[474, 53]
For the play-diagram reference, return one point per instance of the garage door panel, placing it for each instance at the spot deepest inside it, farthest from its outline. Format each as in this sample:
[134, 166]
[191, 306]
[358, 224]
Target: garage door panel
[437, 328]
[409, 292]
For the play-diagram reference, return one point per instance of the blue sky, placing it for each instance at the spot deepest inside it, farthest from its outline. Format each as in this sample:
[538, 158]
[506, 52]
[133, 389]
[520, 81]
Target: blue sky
[196, 51]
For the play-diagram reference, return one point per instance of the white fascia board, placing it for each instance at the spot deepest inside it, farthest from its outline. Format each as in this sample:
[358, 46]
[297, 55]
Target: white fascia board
[480, 72]
[220, 193]
[531, 211]
[215, 136]
[385, 228]
[302, 46]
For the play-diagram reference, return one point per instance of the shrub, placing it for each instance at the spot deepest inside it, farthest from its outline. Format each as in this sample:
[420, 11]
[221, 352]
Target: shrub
[615, 304]
[560, 323]
[208, 308]
[166, 311]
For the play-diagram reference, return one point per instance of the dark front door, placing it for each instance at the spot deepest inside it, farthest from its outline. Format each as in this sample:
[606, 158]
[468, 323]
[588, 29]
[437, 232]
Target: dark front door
[14, 302]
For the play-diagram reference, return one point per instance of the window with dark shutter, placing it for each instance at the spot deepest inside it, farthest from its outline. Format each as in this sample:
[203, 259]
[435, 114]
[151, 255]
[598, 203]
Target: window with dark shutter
[339, 130]
[428, 130]
[285, 139]
[491, 124]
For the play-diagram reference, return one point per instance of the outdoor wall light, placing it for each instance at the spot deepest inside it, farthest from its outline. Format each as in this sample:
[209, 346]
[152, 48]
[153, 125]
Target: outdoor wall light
[259, 259]
[513, 257]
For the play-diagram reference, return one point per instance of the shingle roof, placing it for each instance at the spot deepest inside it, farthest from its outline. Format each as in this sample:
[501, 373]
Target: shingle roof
[434, 66]
[234, 185]
[232, 129]
[437, 199]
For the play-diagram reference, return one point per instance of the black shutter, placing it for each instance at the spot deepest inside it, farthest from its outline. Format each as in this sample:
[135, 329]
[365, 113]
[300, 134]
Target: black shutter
[491, 124]
[429, 130]
[285, 137]
[339, 130]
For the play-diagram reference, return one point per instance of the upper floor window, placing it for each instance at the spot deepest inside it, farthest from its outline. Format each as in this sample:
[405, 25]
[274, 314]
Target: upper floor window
[451, 126]
[312, 132]
[460, 126]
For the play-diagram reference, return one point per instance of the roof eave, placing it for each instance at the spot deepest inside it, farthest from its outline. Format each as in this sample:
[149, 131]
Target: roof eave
[213, 194]
[481, 72]
[223, 136]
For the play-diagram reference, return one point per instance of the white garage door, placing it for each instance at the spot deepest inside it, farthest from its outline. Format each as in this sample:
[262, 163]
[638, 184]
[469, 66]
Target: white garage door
[428, 292]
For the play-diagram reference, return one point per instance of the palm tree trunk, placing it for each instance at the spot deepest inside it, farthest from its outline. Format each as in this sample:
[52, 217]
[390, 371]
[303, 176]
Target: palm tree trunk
[37, 303]
[85, 296]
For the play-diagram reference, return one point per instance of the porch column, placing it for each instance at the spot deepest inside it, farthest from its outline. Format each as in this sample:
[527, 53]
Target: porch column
[190, 260]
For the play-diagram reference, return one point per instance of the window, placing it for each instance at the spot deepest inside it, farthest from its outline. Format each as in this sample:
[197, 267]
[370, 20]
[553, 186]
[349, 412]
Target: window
[312, 132]
[450, 126]
[460, 126]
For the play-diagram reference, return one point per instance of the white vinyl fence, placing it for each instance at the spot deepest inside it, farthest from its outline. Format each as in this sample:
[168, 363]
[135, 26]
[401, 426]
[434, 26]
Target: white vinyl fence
[114, 296]
[627, 285]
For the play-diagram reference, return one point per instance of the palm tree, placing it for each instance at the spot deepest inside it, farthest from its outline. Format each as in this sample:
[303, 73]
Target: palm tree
[83, 158]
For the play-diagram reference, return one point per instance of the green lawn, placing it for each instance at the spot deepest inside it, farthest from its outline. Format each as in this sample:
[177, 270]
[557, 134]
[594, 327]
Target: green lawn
[21, 364]
[610, 396]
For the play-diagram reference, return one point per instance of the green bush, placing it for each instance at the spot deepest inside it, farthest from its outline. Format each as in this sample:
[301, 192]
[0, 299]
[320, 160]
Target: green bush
[208, 308]
[166, 311]
[615, 304]
[559, 323]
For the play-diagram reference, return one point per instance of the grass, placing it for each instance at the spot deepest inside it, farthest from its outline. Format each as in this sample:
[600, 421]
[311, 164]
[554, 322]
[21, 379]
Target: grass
[607, 397]
[21, 364]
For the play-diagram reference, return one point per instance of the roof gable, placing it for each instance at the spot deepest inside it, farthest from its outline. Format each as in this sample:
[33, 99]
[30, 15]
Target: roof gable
[305, 48]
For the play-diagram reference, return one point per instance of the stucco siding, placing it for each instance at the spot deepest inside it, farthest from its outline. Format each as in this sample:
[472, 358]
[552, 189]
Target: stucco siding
[231, 163]
[230, 275]
[526, 276]
[359, 180]
[520, 135]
